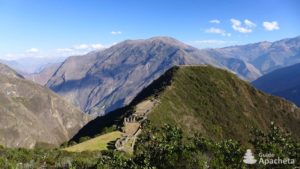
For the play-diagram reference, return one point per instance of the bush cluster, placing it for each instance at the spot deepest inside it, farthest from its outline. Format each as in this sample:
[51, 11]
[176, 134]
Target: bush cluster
[161, 148]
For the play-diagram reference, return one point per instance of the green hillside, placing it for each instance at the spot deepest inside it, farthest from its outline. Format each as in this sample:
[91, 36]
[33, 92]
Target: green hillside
[215, 103]
[209, 101]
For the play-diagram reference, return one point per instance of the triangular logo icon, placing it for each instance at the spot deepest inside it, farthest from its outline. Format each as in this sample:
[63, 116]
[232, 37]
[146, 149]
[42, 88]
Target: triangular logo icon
[249, 158]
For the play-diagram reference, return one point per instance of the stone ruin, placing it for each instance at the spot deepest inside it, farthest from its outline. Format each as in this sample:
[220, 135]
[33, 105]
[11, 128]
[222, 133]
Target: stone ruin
[136, 117]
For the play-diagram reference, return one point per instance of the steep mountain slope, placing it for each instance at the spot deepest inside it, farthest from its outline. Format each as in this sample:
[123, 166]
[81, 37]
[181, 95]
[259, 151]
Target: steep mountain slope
[205, 100]
[216, 103]
[265, 56]
[103, 81]
[44, 75]
[283, 82]
[31, 115]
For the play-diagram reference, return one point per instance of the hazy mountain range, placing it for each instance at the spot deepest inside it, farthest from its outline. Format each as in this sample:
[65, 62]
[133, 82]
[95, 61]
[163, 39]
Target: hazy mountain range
[266, 56]
[32, 115]
[32, 65]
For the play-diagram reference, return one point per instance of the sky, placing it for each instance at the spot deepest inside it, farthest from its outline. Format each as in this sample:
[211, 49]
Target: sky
[53, 28]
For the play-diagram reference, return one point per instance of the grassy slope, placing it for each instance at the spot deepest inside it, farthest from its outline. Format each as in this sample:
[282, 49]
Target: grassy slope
[217, 104]
[210, 101]
[98, 143]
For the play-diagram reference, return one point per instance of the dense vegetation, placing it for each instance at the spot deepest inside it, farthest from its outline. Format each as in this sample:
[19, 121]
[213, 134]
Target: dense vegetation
[162, 148]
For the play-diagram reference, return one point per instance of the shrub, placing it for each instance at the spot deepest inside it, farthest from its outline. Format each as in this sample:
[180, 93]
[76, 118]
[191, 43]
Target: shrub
[83, 139]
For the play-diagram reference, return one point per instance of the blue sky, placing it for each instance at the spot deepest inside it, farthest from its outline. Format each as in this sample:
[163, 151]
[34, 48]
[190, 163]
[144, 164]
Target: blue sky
[64, 27]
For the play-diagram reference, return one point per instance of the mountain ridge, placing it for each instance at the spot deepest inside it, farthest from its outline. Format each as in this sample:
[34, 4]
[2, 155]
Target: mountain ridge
[266, 56]
[32, 115]
[205, 100]
[122, 70]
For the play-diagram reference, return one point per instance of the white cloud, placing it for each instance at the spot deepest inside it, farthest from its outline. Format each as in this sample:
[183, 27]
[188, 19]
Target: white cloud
[89, 47]
[59, 52]
[270, 26]
[32, 50]
[64, 50]
[214, 30]
[215, 21]
[9, 56]
[116, 32]
[249, 23]
[29, 53]
[98, 46]
[247, 27]
[80, 49]
[217, 31]
[82, 46]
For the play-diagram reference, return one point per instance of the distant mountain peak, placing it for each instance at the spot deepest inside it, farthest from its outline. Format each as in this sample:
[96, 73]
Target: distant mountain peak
[266, 56]
[165, 39]
[101, 82]
[154, 41]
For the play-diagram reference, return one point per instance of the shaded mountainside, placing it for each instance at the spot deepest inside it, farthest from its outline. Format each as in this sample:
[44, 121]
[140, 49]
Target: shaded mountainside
[265, 56]
[283, 82]
[103, 81]
[32, 115]
[211, 101]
